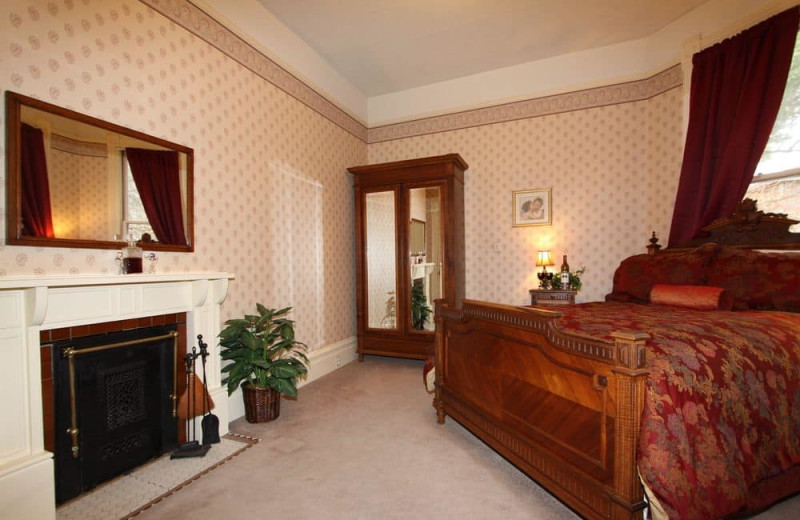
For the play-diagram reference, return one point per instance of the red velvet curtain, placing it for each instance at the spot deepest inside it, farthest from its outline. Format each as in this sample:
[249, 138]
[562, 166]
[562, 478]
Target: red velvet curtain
[157, 177]
[737, 88]
[37, 217]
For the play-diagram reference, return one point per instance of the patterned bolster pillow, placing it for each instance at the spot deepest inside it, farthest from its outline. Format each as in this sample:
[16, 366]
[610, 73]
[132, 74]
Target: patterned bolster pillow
[698, 297]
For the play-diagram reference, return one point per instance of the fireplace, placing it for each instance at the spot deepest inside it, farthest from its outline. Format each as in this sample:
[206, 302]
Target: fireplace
[114, 404]
[36, 310]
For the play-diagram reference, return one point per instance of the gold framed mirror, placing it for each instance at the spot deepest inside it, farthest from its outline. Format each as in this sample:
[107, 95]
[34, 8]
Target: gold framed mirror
[79, 182]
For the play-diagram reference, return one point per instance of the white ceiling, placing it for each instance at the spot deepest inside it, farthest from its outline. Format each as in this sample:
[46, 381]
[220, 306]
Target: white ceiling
[384, 46]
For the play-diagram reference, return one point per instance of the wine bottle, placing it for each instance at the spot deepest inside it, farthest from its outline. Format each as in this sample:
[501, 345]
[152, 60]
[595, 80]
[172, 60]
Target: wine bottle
[564, 273]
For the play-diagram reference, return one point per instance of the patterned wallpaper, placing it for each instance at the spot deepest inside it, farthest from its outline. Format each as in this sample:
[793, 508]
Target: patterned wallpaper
[613, 171]
[273, 199]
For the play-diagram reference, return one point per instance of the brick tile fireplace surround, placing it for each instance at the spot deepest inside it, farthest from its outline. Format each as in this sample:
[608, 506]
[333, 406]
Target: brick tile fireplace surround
[35, 310]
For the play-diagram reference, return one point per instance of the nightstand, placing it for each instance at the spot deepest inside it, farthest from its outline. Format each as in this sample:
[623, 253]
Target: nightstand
[552, 297]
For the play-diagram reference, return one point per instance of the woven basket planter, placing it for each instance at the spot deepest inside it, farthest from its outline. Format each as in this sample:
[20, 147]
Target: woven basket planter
[261, 404]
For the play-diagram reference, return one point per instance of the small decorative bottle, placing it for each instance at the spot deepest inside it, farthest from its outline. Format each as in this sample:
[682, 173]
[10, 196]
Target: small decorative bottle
[131, 257]
[564, 273]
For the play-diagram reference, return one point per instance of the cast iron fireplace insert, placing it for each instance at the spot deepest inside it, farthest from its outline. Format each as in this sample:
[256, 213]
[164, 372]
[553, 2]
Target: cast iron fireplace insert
[115, 398]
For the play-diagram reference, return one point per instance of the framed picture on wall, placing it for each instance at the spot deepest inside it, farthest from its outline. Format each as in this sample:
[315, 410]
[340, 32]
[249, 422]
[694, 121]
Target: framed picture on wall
[532, 207]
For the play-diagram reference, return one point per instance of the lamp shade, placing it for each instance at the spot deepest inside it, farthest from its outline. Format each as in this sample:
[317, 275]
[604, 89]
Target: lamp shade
[544, 259]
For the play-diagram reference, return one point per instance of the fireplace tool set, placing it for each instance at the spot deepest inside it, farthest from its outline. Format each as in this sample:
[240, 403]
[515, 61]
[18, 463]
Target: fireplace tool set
[195, 401]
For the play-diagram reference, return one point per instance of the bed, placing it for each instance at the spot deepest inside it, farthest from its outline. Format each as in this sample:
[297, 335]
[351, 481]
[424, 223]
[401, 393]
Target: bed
[698, 402]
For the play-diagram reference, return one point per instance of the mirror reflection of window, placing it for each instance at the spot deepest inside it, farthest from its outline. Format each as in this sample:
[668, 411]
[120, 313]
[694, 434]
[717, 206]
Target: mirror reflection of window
[134, 221]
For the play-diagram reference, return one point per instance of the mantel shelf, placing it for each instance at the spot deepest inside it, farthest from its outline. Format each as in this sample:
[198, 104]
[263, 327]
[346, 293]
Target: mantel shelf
[421, 270]
[81, 280]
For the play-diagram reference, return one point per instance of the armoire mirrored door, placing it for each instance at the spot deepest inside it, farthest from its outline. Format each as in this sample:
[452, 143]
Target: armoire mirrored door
[425, 254]
[409, 251]
[381, 259]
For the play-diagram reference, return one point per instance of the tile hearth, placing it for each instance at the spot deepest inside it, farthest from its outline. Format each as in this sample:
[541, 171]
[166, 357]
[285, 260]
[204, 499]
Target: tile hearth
[129, 494]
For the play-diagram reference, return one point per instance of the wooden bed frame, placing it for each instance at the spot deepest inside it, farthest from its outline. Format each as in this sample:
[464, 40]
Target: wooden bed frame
[564, 408]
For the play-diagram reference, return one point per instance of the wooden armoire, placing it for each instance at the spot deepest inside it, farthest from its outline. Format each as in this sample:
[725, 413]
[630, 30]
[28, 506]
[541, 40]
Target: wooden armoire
[409, 251]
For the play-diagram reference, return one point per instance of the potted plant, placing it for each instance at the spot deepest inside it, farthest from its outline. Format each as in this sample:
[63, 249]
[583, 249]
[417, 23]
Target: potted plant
[575, 282]
[419, 307]
[264, 359]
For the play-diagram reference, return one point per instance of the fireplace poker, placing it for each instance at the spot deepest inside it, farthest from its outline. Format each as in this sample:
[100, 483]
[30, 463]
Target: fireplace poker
[210, 423]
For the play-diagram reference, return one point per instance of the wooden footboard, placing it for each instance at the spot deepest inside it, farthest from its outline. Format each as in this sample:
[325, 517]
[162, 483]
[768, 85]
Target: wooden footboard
[564, 408]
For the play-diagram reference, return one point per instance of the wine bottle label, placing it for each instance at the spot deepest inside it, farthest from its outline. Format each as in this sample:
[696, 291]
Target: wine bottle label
[564, 272]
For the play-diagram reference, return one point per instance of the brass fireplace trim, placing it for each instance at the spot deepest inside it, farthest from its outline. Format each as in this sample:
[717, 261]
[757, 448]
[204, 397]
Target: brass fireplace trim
[71, 352]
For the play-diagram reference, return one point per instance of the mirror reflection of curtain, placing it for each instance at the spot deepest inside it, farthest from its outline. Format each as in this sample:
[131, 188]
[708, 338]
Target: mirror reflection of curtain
[37, 218]
[157, 177]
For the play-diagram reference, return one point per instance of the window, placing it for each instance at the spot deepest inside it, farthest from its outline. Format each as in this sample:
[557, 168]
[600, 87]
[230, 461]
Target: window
[134, 221]
[776, 183]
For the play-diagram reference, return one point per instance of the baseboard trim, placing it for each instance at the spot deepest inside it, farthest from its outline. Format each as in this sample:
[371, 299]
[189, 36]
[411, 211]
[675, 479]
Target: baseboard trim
[329, 358]
[323, 360]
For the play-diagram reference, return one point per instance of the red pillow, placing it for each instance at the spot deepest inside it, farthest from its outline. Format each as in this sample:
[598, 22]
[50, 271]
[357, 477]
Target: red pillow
[698, 297]
[757, 280]
[636, 275]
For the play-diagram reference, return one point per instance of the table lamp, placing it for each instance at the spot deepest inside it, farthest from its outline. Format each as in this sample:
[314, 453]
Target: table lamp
[543, 259]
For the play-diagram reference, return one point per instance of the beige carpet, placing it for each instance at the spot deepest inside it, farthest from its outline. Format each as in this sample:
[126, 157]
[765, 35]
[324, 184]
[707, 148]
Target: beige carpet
[363, 443]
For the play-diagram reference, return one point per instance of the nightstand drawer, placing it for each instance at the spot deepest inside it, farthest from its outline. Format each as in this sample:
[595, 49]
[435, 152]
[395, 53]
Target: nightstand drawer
[550, 297]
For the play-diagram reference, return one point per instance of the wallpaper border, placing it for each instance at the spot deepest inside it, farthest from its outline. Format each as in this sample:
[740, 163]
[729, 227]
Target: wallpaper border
[205, 27]
[615, 94]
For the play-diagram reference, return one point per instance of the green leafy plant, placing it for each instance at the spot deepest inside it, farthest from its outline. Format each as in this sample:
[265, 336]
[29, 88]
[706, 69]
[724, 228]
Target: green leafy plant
[575, 283]
[261, 350]
[419, 307]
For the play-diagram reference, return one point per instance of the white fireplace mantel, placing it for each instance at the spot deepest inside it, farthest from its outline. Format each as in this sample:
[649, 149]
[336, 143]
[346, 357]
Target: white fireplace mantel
[31, 304]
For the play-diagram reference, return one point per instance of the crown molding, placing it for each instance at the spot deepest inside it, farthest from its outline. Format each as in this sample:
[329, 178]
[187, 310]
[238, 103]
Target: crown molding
[627, 92]
[197, 21]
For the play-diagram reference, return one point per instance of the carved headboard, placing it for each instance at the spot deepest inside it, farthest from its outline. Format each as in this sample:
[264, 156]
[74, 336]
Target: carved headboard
[729, 258]
[747, 228]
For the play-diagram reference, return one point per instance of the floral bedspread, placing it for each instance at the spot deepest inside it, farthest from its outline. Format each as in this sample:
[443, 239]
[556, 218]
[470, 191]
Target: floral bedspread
[722, 406]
